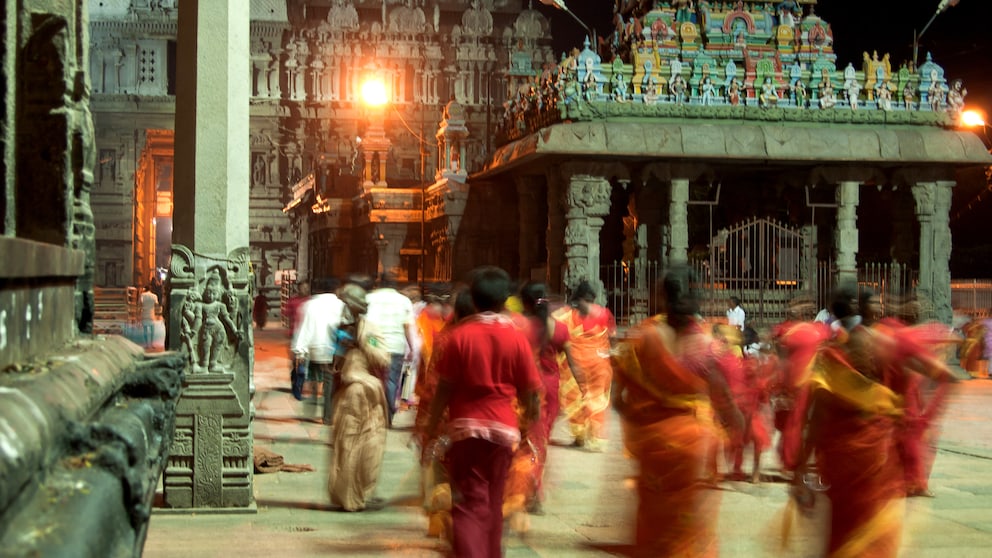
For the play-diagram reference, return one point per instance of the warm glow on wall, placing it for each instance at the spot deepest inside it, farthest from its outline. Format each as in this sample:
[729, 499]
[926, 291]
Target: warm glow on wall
[374, 92]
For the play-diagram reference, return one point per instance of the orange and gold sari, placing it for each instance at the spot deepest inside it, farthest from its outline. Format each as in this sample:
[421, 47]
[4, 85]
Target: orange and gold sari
[668, 426]
[586, 404]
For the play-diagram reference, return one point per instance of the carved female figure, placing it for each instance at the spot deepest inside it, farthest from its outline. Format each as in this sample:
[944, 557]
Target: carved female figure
[214, 323]
[734, 92]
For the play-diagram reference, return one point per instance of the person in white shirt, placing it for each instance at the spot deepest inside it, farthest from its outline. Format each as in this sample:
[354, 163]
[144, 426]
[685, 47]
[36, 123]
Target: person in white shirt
[314, 337]
[735, 314]
[391, 314]
[148, 303]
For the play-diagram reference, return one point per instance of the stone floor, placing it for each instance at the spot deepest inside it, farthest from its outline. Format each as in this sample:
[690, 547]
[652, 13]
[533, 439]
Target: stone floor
[590, 502]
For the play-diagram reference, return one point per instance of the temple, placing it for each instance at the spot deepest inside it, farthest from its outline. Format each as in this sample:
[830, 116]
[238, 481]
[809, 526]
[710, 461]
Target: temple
[229, 149]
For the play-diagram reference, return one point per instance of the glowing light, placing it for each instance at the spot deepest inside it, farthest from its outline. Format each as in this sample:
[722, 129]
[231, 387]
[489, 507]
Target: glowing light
[972, 118]
[374, 92]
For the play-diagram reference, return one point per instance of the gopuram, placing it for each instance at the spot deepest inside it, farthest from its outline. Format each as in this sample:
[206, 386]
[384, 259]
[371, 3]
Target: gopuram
[334, 186]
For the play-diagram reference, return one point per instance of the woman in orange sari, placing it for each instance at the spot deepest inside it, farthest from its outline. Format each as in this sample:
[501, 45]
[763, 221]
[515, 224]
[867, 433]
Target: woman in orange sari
[667, 377]
[586, 380]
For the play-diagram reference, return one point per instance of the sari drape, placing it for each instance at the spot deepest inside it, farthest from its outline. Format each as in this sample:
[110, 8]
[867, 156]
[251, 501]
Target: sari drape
[668, 427]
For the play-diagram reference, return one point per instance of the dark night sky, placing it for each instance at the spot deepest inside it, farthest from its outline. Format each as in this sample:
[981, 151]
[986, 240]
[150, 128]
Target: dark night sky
[960, 38]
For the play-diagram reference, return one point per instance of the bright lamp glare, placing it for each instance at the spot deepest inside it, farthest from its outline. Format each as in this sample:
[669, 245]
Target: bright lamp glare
[374, 92]
[972, 118]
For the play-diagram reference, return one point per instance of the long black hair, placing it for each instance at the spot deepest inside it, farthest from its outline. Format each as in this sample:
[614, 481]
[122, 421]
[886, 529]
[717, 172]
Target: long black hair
[682, 304]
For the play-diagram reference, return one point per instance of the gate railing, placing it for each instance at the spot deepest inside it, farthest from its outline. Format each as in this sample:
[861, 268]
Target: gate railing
[972, 297]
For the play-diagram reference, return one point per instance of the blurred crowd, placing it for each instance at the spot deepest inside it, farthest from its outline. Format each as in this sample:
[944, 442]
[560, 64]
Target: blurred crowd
[846, 398]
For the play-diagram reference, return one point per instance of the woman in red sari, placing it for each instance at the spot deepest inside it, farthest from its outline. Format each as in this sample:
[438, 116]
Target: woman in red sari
[668, 384]
[586, 379]
[548, 339]
[855, 421]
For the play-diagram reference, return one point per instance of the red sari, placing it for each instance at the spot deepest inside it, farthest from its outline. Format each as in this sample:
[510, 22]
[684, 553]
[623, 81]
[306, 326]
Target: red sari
[855, 438]
[668, 426]
[525, 481]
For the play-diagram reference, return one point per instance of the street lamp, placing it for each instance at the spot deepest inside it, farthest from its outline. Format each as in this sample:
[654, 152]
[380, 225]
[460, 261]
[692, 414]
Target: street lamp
[560, 4]
[973, 118]
[944, 4]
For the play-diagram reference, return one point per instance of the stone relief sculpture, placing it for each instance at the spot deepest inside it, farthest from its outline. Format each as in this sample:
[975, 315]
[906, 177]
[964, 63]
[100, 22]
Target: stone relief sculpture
[343, 16]
[212, 323]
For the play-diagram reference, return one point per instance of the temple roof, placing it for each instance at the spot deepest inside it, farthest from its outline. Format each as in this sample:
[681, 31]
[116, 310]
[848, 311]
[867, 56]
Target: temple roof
[741, 142]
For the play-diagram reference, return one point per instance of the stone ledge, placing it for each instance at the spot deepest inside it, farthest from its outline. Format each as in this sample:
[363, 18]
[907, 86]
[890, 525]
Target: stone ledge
[25, 259]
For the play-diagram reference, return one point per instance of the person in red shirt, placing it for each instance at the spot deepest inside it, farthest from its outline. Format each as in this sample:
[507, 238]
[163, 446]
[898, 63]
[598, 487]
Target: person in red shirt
[485, 366]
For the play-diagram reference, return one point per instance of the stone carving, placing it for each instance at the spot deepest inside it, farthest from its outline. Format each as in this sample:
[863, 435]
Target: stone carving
[406, 19]
[477, 20]
[343, 16]
[213, 324]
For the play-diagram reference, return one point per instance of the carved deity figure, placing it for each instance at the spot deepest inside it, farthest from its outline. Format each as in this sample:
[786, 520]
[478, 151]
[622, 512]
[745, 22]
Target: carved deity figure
[908, 96]
[827, 97]
[734, 92]
[884, 96]
[936, 96]
[851, 86]
[956, 95]
[677, 89]
[619, 85]
[768, 97]
[707, 92]
[800, 94]
[214, 324]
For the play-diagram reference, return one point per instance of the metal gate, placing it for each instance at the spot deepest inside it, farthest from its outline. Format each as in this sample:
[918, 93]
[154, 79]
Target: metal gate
[764, 263]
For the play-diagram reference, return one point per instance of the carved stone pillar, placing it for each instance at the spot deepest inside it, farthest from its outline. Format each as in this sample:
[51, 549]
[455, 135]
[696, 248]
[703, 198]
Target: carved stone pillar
[587, 202]
[209, 299]
[847, 230]
[933, 202]
[529, 192]
[678, 222]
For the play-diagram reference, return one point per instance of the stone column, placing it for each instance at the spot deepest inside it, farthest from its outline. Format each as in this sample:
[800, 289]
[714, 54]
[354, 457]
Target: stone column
[933, 202]
[529, 192]
[678, 222]
[209, 298]
[847, 230]
[587, 201]
[556, 232]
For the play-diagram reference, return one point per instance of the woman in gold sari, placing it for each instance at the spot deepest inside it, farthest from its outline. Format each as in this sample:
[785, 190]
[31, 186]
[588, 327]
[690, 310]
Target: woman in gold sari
[670, 394]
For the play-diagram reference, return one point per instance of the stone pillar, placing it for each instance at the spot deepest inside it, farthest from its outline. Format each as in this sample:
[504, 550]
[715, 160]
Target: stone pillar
[847, 230]
[587, 201]
[933, 202]
[678, 222]
[209, 298]
[649, 216]
[556, 233]
[529, 192]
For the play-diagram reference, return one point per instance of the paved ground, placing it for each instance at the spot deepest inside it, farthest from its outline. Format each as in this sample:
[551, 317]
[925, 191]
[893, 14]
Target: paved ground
[590, 502]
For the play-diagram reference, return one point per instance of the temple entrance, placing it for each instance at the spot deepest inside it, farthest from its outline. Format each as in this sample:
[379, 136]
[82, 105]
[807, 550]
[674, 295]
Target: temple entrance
[153, 206]
[763, 262]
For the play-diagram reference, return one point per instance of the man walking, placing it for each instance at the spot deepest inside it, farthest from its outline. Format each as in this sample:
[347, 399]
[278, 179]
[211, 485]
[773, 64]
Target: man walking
[314, 339]
[485, 366]
[390, 313]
